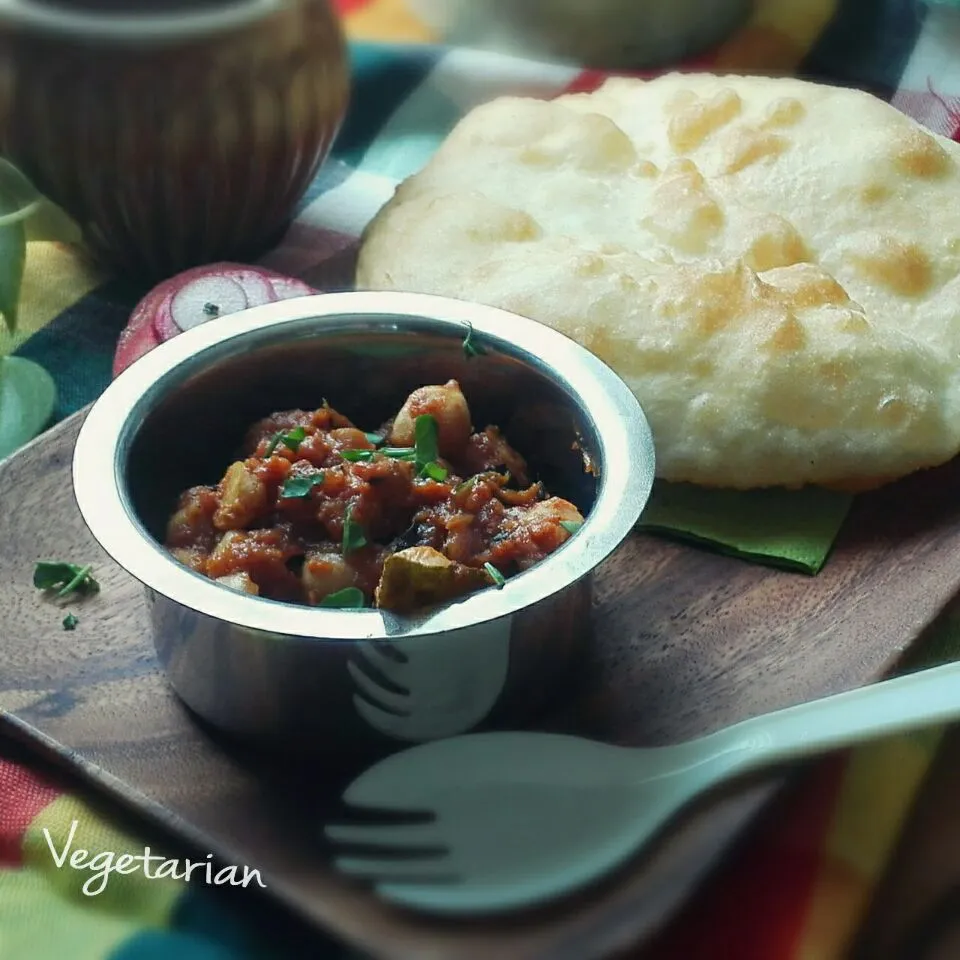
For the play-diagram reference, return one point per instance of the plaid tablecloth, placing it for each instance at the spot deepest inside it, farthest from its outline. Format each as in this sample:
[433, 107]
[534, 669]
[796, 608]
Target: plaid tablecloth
[801, 885]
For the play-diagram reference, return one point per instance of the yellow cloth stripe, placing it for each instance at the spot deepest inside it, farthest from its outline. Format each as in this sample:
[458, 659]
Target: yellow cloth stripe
[139, 901]
[36, 922]
[879, 786]
[389, 21]
[55, 277]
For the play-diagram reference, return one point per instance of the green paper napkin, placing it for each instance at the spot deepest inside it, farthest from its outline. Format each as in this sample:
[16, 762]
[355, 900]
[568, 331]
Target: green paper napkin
[794, 529]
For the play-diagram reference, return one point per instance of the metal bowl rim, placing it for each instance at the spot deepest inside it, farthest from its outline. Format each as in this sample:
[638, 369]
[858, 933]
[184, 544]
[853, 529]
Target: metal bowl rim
[624, 488]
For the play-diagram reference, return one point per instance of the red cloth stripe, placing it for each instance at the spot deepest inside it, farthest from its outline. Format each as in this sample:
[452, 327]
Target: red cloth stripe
[758, 908]
[345, 7]
[23, 794]
[589, 80]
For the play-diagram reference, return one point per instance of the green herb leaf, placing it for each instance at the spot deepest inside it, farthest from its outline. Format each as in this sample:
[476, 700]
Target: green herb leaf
[349, 598]
[211, 309]
[375, 438]
[70, 621]
[357, 456]
[495, 575]
[353, 536]
[470, 346]
[298, 488]
[571, 526]
[13, 256]
[68, 577]
[425, 434]
[435, 472]
[426, 451]
[291, 439]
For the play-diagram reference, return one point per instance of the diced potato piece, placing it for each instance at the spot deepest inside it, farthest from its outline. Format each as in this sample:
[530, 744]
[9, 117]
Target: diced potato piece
[326, 573]
[550, 511]
[224, 544]
[192, 523]
[421, 577]
[239, 581]
[243, 495]
[448, 406]
[192, 557]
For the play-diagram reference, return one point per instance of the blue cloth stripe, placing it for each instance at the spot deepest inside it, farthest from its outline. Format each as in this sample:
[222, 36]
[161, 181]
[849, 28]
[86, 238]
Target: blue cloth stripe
[867, 44]
[77, 347]
[383, 78]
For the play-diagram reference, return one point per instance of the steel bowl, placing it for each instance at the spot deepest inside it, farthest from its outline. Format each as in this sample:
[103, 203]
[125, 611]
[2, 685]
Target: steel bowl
[278, 673]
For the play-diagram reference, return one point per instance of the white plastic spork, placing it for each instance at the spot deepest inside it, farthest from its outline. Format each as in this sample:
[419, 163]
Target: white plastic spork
[519, 818]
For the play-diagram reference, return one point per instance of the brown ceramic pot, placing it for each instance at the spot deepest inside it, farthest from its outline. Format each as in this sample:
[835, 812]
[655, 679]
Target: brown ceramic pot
[176, 132]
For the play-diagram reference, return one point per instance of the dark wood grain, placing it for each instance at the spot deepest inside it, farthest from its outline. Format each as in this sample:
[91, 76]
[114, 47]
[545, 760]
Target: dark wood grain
[687, 641]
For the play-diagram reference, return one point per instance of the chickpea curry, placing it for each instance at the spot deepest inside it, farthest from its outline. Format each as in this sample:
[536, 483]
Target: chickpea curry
[419, 512]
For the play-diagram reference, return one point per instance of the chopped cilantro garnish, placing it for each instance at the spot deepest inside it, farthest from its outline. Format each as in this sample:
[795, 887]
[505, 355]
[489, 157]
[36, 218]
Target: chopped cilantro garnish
[495, 575]
[427, 448]
[211, 309]
[571, 526]
[70, 621]
[425, 434]
[298, 488]
[349, 598]
[394, 453]
[291, 439]
[424, 453]
[435, 472]
[66, 578]
[470, 347]
[353, 536]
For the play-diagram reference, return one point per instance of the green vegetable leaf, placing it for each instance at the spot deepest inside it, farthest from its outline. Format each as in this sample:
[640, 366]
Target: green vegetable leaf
[357, 456]
[291, 439]
[571, 526]
[68, 577]
[349, 598]
[425, 434]
[24, 214]
[13, 256]
[435, 472]
[470, 346]
[70, 621]
[353, 536]
[298, 488]
[394, 453]
[19, 198]
[495, 575]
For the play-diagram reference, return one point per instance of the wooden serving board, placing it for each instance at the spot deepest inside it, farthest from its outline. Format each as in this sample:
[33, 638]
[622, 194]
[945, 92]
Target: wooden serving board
[686, 641]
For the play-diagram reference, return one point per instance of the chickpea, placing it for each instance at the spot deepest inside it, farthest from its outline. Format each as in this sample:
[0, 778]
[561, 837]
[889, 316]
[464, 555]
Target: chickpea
[448, 406]
[243, 495]
[239, 581]
[325, 573]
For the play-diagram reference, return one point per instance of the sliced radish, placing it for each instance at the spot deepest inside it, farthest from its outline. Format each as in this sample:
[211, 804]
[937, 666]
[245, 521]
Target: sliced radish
[163, 323]
[206, 298]
[195, 296]
[255, 285]
[132, 345]
[285, 288]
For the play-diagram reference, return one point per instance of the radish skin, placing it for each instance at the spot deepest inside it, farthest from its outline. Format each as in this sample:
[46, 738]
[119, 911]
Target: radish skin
[178, 304]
